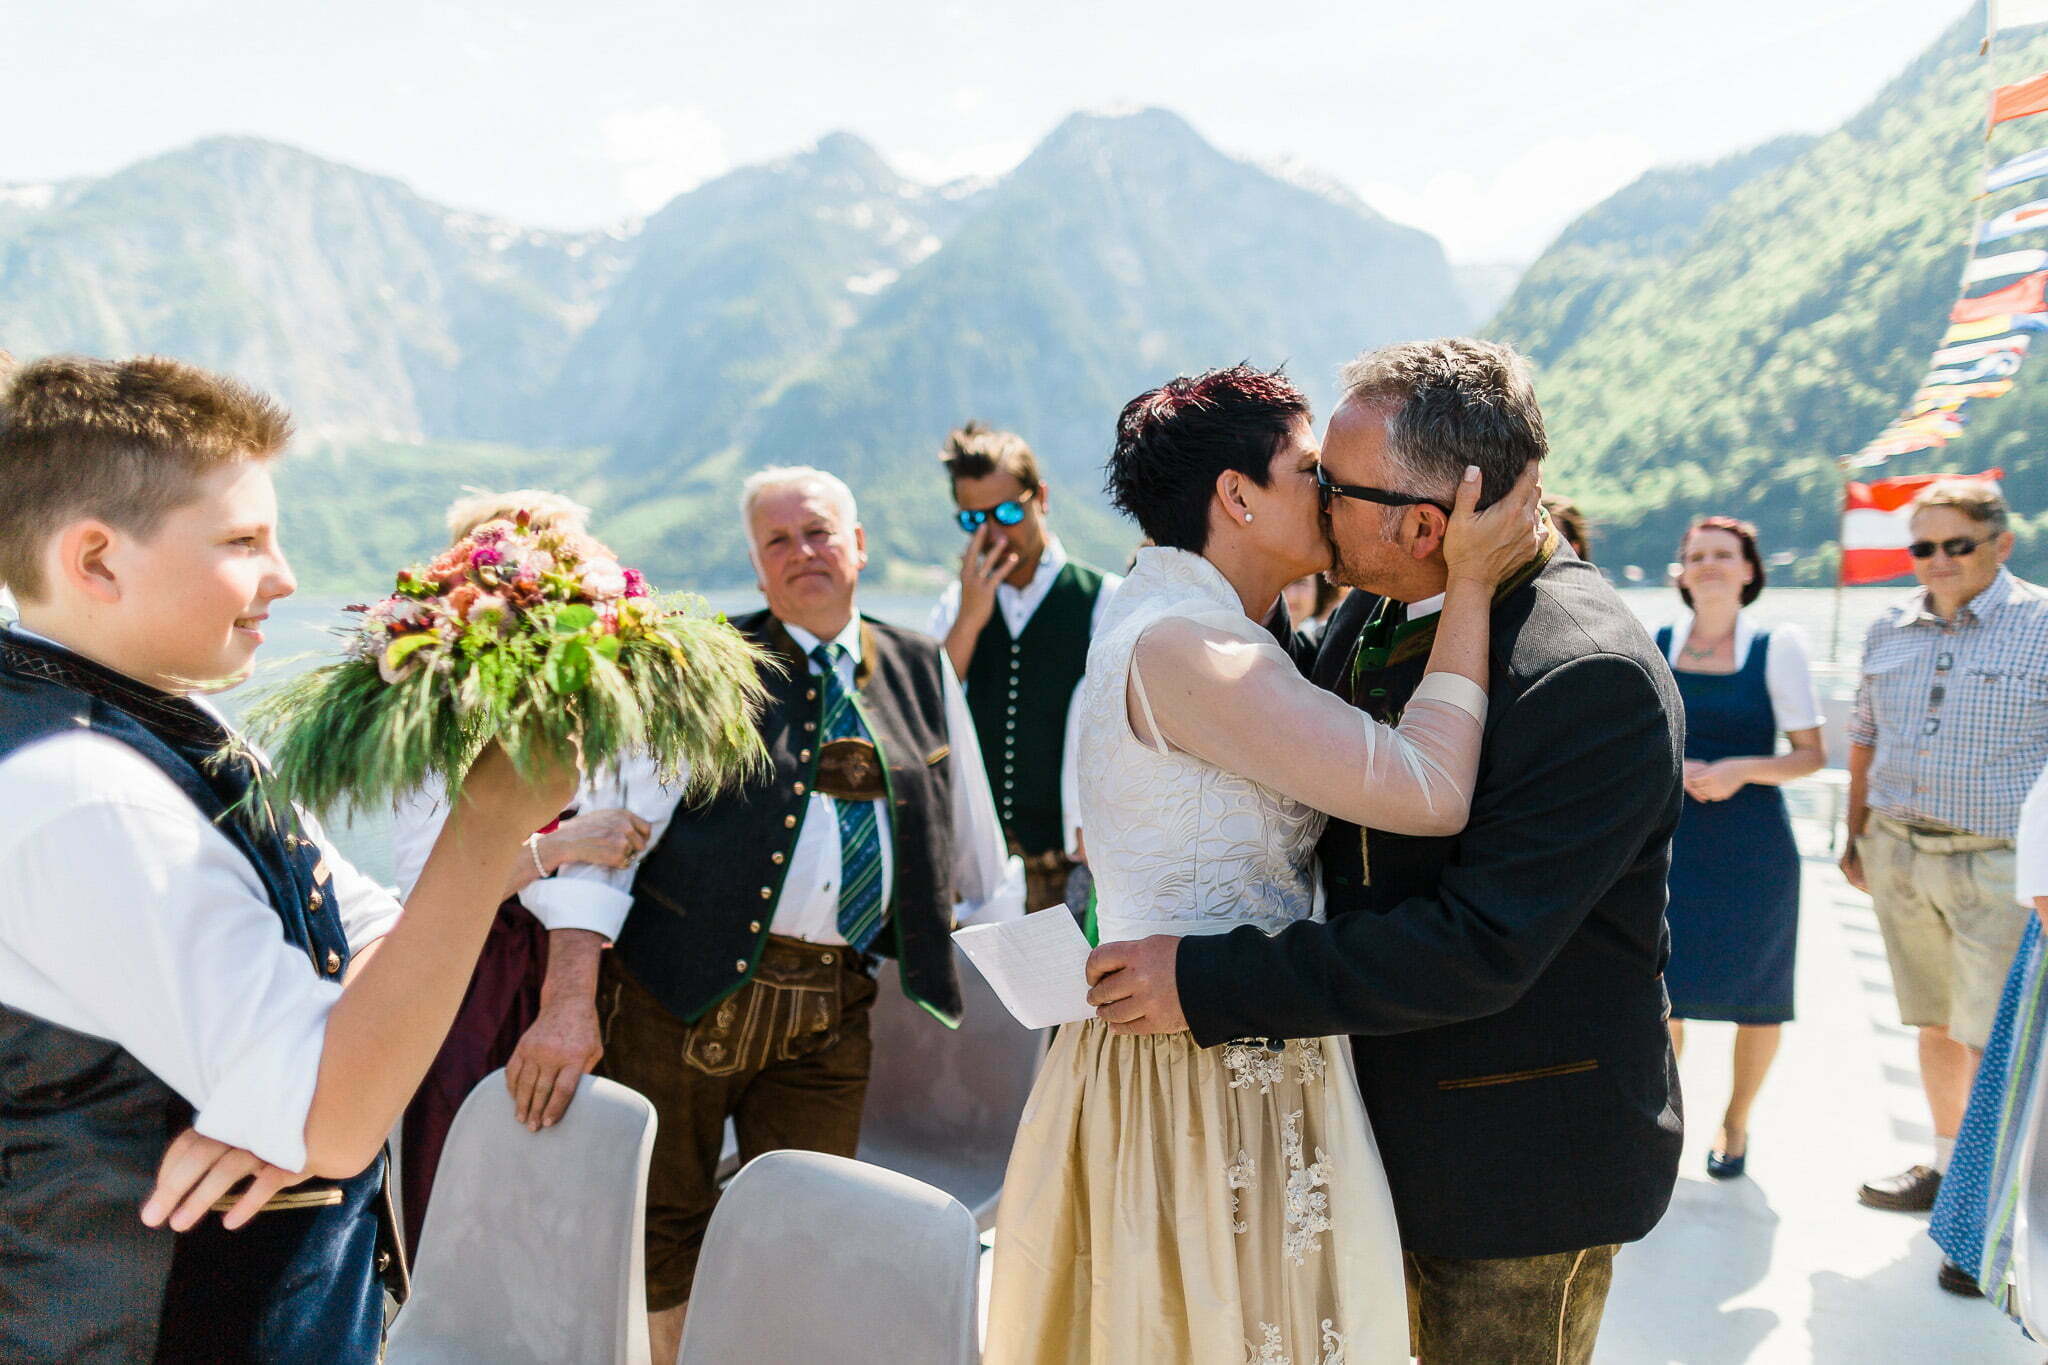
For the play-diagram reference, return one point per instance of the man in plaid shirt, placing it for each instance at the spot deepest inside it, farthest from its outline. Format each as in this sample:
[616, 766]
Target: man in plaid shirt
[1950, 731]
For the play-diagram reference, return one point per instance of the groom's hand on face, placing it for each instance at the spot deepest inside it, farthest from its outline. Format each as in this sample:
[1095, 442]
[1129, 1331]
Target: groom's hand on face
[1133, 987]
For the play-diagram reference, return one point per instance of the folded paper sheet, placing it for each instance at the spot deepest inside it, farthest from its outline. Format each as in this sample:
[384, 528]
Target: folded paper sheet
[1037, 966]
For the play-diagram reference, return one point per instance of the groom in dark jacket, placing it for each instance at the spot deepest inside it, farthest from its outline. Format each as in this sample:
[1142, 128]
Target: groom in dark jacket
[1503, 986]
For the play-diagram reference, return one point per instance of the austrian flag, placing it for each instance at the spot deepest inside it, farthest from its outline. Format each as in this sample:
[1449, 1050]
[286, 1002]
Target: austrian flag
[1875, 533]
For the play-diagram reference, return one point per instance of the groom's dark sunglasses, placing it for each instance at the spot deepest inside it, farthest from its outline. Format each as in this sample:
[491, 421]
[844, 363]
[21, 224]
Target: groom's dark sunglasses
[1365, 493]
[1008, 513]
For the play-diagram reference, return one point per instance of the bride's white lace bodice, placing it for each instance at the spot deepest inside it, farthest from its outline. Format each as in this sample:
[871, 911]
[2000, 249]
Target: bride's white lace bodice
[1177, 845]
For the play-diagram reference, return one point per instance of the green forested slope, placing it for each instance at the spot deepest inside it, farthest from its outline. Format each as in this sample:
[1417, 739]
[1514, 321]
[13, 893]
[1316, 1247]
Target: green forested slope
[1786, 329]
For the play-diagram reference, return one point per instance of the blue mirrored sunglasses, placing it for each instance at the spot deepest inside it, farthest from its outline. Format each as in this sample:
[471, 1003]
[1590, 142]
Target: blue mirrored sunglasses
[1006, 514]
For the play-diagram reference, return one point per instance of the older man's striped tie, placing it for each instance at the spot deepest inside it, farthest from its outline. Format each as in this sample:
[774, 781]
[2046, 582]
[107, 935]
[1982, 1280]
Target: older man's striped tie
[860, 836]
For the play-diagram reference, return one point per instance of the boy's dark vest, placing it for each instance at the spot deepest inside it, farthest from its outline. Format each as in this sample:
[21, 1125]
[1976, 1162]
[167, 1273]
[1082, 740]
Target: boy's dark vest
[83, 1124]
[1018, 689]
[706, 894]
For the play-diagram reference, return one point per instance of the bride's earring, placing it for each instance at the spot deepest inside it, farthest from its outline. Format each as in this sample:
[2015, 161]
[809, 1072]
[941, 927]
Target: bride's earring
[1247, 518]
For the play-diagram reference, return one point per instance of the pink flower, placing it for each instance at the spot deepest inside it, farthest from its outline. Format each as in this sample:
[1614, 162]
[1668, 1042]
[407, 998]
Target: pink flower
[485, 554]
[636, 584]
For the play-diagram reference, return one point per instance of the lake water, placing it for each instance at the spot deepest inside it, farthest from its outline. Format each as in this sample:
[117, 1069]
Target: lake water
[300, 636]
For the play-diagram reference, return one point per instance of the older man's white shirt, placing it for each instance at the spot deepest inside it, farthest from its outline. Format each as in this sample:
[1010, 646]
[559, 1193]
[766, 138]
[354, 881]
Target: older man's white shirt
[989, 883]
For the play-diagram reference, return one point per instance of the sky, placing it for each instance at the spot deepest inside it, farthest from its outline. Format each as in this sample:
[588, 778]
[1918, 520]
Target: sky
[1490, 123]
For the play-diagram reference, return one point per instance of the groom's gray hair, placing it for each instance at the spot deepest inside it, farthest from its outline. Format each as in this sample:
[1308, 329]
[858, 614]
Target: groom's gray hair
[1449, 403]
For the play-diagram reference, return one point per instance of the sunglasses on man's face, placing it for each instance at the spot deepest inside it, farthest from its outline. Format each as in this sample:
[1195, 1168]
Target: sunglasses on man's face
[1008, 513]
[1955, 547]
[1365, 493]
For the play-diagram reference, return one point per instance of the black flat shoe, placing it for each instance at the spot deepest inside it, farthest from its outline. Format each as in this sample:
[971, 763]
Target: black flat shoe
[1724, 1167]
[1957, 1281]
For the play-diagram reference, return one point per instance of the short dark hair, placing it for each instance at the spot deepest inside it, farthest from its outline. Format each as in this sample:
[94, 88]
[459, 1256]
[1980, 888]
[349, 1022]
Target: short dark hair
[976, 451]
[1450, 403]
[1175, 441]
[125, 441]
[1743, 532]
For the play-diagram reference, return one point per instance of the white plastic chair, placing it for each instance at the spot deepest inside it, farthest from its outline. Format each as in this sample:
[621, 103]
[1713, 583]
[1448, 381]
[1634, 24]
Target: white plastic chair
[812, 1257]
[532, 1252]
[943, 1104]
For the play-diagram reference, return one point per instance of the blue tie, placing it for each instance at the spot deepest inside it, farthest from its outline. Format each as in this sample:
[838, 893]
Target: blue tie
[860, 837]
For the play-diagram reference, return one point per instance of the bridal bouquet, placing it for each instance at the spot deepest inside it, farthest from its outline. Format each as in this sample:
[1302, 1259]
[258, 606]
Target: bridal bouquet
[535, 638]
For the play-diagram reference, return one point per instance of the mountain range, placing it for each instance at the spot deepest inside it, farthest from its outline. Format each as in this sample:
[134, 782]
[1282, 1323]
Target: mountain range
[819, 309]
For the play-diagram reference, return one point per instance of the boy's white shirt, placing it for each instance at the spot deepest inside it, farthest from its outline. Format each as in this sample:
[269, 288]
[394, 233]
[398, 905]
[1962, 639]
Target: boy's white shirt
[124, 914]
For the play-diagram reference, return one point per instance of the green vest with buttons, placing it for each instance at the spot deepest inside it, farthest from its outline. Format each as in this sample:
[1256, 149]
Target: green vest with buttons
[1018, 689]
[705, 895]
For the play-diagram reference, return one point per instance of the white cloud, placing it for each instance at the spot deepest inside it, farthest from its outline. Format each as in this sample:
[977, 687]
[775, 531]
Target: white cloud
[1515, 212]
[662, 151]
[954, 163]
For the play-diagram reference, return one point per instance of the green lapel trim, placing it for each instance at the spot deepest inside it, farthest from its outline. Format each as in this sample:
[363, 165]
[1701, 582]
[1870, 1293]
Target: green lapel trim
[1414, 639]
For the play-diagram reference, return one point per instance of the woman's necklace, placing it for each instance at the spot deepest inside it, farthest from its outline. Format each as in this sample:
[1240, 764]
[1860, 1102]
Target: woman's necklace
[1701, 653]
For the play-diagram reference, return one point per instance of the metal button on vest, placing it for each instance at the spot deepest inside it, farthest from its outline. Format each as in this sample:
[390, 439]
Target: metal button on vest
[809, 726]
[754, 927]
[777, 858]
[315, 901]
[804, 756]
[799, 789]
[740, 966]
[811, 695]
[826, 959]
[789, 822]
[767, 893]
[333, 962]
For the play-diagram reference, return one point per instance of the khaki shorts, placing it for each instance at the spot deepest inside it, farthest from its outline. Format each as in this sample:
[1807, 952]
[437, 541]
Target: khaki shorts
[1951, 926]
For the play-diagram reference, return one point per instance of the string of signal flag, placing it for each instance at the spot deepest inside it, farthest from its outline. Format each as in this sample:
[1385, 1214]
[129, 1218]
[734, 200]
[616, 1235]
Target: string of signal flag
[1990, 330]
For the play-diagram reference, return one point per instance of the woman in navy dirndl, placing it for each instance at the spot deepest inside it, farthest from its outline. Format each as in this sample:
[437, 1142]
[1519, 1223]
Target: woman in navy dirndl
[1734, 910]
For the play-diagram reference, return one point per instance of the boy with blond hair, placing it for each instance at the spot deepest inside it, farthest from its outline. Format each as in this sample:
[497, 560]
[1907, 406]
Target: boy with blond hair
[202, 1006]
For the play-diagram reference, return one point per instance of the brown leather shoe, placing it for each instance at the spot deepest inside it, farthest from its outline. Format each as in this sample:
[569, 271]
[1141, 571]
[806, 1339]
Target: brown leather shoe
[1957, 1281]
[1910, 1191]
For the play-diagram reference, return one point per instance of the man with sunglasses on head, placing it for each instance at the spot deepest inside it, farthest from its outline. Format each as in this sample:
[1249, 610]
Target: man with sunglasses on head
[1950, 730]
[1016, 626]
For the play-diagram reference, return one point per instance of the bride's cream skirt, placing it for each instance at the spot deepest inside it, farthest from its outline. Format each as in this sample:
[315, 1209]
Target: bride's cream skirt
[1174, 1205]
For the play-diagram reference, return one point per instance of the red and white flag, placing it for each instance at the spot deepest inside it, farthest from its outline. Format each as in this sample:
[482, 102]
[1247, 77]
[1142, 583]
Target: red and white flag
[1875, 532]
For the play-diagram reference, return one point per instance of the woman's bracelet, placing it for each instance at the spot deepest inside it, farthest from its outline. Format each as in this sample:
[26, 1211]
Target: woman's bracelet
[533, 851]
